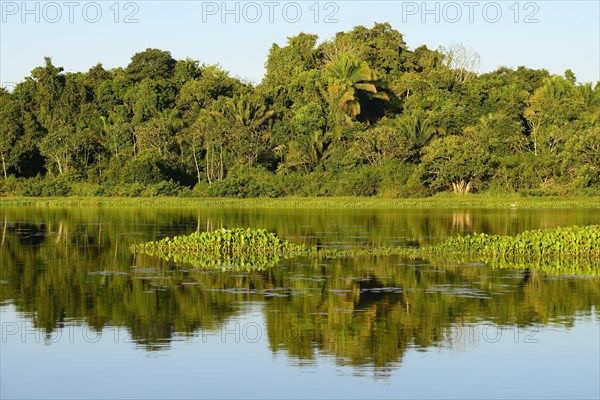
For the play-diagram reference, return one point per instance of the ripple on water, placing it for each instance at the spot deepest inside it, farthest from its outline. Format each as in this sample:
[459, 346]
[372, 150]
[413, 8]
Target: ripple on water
[382, 290]
[107, 273]
[307, 278]
[144, 270]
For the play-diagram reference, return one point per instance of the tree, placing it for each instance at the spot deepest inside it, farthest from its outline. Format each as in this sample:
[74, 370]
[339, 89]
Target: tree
[455, 163]
[185, 71]
[285, 63]
[548, 110]
[349, 83]
[10, 132]
[58, 102]
[417, 130]
[151, 64]
[463, 61]
[382, 143]
[247, 117]
[117, 133]
[381, 47]
[158, 133]
[312, 143]
[581, 161]
[204, 90]
[208, 132]
[358, 108]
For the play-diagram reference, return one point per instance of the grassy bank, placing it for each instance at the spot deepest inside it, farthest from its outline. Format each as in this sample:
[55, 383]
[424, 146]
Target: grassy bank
[448, 202]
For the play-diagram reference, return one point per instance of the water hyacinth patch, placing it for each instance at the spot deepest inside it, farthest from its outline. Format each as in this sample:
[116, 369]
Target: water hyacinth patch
[570, 241]
[562, 250]
[235, 247]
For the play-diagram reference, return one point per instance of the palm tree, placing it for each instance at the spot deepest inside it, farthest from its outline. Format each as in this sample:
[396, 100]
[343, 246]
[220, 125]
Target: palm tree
[247, 117]
[418, 131]
[244, 111]
[349, 81]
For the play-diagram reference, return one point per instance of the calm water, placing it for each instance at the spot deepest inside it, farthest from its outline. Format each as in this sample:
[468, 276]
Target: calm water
[82, 318]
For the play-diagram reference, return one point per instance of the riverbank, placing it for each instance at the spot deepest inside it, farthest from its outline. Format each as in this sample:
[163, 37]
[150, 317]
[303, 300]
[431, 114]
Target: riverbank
[445, 202]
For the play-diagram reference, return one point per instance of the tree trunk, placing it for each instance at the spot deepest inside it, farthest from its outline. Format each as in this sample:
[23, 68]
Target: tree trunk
[4, 167]
[221, 171]
[209, 165]
[461, 187]
[196, 162]
[60, 169]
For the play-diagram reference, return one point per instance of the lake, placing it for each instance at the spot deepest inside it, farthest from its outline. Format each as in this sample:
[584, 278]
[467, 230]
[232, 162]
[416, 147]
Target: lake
[82, 317]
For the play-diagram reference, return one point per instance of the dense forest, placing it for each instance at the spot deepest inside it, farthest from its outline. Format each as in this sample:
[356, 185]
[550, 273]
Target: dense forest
[359, 114]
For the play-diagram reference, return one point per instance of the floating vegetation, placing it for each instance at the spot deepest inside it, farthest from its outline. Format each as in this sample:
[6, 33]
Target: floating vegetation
[570, 241]
[222, 248]
[570, 250]
[563, 250]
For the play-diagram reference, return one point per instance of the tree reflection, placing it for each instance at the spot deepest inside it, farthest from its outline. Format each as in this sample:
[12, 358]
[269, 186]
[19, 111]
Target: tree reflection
[64, 265]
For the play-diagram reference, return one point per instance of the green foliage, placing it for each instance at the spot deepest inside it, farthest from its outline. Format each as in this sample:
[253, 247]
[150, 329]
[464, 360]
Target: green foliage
[285, 63]
[242, 182]
[152, 64]
[48, 188]
[146, 169]
[439, 201]
[222, 248]
[422, 120]
[564, 250]
[454, 163]
[162, 188]
[364, 181]
[561, 250]
[561, 241]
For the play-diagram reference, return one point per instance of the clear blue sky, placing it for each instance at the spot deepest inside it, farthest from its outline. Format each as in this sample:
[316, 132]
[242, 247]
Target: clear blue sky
[555, 35]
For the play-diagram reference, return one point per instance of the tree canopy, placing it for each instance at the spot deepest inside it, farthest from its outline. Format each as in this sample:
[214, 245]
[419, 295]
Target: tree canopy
[359, 114]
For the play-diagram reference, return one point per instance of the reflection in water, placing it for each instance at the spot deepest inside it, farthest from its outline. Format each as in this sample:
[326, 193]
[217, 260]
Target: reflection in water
[461, 220]
[60, 266]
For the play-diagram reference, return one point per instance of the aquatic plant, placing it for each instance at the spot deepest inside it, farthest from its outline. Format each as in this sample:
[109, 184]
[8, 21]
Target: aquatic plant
[570, 250]
[572, 241]
[235, 247]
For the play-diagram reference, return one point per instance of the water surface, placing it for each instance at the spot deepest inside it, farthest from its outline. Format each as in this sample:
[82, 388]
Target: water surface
[82, 317]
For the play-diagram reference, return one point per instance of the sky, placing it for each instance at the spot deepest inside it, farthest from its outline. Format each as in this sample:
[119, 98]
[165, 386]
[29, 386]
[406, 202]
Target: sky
[555, 35]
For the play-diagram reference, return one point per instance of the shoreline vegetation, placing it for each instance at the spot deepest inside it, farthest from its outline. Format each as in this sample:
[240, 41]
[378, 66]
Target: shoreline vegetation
[360, 114]
[561, 250]
[446, 201]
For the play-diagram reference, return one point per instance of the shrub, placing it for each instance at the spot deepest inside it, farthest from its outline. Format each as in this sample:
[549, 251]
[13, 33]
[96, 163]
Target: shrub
[168, 188]
[362, 182]
[143, 170]
[249, 182]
